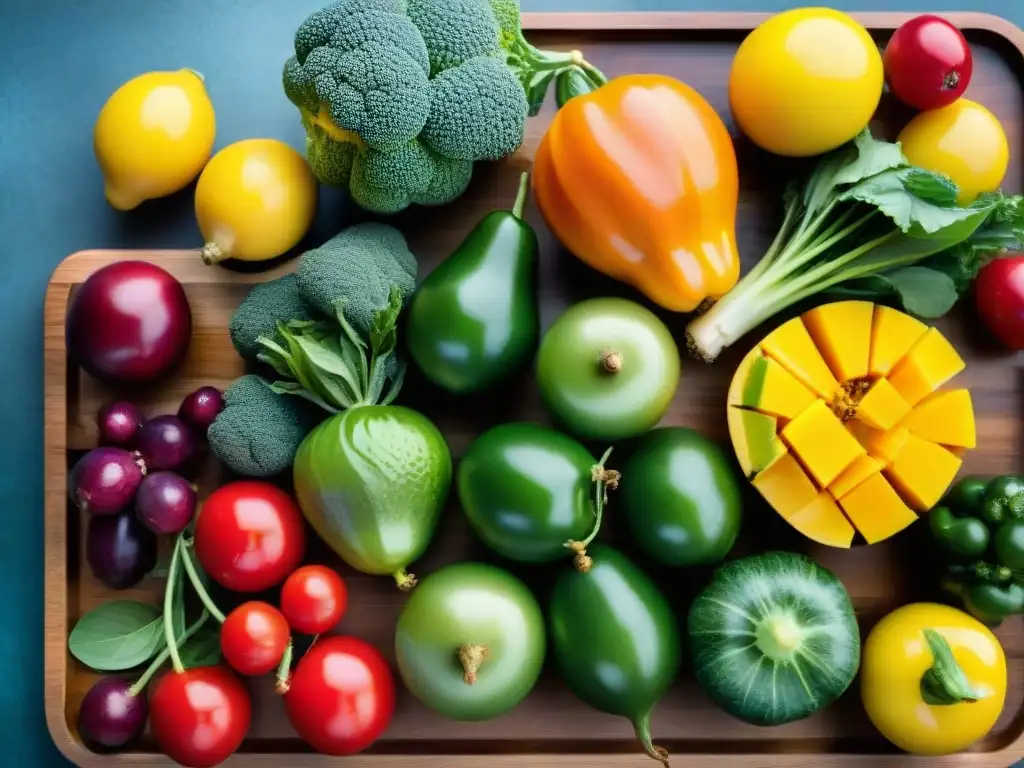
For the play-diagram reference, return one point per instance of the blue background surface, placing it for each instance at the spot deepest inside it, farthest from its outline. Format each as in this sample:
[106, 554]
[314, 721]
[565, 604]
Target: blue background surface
[59, 61]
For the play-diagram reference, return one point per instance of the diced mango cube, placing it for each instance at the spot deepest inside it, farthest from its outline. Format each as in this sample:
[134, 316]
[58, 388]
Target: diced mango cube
[922, 472]
[882, 407]
[739, 379]
[893, 333]
[823, 522]
[876, 510]
[929, 364]
[883, 445]
[785, 486]
[772, 390]
[818, 438]
[755, 439]
[855, 474]
[842, 332]
[946, 418]
[790, 345]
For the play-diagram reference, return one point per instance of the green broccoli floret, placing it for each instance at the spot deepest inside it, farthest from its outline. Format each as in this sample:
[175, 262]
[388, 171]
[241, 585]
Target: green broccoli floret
[258, 314]
[259, 431]
[400, 97]
[361, 265]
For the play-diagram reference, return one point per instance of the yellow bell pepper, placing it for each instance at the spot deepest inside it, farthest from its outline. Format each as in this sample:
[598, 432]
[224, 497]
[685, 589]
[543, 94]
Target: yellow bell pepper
[638, 179]
[933, 679]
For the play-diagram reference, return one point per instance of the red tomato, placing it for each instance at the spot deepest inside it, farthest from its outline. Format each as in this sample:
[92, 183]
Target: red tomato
[927, 62]
[253, 638]
[199, 717]
[999, 297]
[313, 599]
[250, 536]
[342, 696]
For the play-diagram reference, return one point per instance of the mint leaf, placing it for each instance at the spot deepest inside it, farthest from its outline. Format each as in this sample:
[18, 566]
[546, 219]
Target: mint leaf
[933, 187]
[924, 292]
[118, 635]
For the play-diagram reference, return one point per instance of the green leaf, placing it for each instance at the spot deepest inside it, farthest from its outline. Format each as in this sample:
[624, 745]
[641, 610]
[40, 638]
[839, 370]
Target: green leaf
[330, 368]
[537, 89]
[934, 187]
[873, 156]
[118, 635]
[384, 327]
[397, 379]
[203, 648]
[924, 292]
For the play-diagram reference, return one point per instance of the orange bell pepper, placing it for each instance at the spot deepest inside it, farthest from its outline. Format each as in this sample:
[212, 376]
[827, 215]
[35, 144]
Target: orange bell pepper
[639, 180]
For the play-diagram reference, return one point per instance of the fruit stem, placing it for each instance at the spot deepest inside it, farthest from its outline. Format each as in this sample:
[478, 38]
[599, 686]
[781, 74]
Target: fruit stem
[611, 361]
[197, 584]
[945, 681]
[284, 671]
[405, 580]
[520, 204]
[172, 579]
[778, 637]
[142, 682]
[212, 254]
[197, 73]
[471, 657]
[603, 479]
[642, 729]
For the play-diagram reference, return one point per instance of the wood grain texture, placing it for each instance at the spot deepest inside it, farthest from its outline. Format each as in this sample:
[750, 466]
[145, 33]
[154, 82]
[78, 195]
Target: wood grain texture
[551, 728]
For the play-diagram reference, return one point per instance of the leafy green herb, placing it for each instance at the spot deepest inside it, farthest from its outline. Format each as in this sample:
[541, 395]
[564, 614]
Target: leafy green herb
[118, 635]
[202, 649]
[866, 223]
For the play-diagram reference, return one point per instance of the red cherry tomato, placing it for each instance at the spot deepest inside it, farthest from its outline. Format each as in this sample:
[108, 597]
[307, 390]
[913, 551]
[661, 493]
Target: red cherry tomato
[313, 599]
[928, 62]
[199, 717]
[999, 298]
[249, 536]
[253, 638]
[342, 696]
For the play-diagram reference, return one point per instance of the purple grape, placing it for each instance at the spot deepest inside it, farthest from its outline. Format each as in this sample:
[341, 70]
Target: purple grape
[110, 716]
[201, 407]
[120, 550]
[166, 442]
[165, 502]
[118, 422]
[104, 481]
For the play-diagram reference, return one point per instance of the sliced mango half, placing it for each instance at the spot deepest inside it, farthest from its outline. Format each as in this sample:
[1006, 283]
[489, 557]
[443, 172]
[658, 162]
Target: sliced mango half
[791, 346]
[842, 332]
[946, 418]
[893, 333]
[841, 420]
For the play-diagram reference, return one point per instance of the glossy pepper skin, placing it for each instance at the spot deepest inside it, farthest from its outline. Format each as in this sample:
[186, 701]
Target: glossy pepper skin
[615, 639]
[933, 679]
[639, 180]
[979, 528]
[474, 320]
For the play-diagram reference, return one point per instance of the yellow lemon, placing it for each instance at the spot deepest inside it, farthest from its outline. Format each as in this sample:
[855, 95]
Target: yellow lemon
[255, 201]
[153, 136]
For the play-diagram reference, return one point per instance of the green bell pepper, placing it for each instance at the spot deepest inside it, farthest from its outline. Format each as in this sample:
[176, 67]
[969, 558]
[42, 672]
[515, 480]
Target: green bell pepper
[979, 529]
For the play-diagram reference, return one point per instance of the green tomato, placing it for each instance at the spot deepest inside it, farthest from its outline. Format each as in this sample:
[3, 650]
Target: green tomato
[527, 491]
[608, 369]
[470, 641]
[680, 498]
[372, 481]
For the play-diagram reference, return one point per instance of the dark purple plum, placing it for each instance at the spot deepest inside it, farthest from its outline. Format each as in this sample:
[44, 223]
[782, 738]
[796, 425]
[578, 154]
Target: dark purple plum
[165, 502]
[120, 550]
[166, 442]
[104, 481]
[110, 716]
[118, 423]
[201, 407]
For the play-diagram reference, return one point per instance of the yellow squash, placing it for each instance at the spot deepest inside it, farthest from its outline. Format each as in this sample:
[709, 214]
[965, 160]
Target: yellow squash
[838, 418]
[153, 136]
[933, 679]
[255, 201]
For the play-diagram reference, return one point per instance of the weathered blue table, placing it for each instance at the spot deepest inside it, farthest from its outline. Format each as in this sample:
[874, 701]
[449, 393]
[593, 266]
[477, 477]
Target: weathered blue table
[59, 60]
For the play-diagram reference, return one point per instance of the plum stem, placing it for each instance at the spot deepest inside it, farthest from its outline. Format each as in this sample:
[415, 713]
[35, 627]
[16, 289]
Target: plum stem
[172, 579]
[603, 479]
[284, 671]
[197, 585]
[471, 657]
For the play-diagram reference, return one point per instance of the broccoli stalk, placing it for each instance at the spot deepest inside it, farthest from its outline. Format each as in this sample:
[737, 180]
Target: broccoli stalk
[869, 223]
